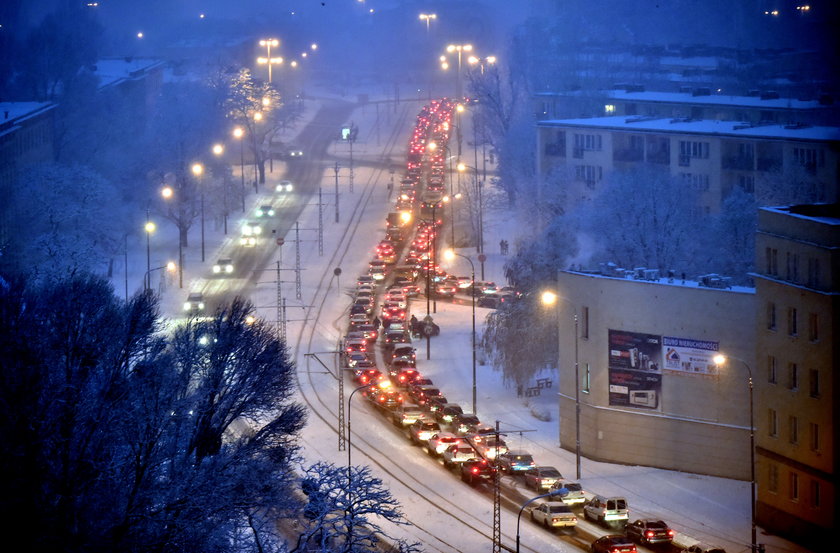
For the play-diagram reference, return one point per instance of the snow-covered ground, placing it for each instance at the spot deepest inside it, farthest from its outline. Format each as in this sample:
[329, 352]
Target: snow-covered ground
[700, 508]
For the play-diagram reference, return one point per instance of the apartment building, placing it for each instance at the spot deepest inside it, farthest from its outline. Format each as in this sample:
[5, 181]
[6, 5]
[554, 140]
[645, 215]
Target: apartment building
[774, 162]
[796, 371]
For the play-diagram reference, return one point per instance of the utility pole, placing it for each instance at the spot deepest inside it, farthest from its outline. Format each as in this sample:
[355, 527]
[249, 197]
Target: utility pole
[281, 321]
[351, 162]
[298, 294]
[336, 190]
[320, 223]
[497, 502]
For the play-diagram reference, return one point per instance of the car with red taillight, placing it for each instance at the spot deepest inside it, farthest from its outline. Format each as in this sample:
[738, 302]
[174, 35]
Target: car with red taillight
[649, 531]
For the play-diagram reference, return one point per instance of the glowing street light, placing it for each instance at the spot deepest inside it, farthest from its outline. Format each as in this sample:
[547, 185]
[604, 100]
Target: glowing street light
[427, 17]
[239, 133]
[149, 227]
[268, 60]
[458, 48]
[198, 172]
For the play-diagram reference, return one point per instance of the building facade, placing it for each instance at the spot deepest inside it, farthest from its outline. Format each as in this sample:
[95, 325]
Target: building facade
[772, 162]
[650, 393]
[798, 308]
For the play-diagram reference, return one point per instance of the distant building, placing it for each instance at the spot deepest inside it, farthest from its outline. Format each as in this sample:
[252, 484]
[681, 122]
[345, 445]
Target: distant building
[759, 107]
[27, 136]
[650, 391]
[797, 370]
[129, 85]
[710, 156]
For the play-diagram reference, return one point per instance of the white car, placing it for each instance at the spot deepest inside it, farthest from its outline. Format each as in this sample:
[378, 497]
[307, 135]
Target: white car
[606, 509]
[284, 186]
[194, 303]
[554, 514]
[573, 494]
[223, 266]
[250, 232]
[442, 441]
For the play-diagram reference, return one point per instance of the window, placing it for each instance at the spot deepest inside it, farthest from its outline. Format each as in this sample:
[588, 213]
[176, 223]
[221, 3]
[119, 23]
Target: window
[694, 149]
[772, 423]
[590, 174]
[584, 322]
[772, 376]
[591, 142]
[793, 376]
[771, 256]
[814, 436]
[747, 183]
[792, 267]
[813, 272]
[792, 321]
[814, 383]
[587, 376]
[793, 429]
[746, 150]
[809, 158]
[813, 327]
[815, 494]
[696, 181]
[794, 486]
[771, 315]
[773, 479]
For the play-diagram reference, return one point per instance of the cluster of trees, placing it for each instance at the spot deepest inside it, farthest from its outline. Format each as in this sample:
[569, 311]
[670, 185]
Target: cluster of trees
[118, 437]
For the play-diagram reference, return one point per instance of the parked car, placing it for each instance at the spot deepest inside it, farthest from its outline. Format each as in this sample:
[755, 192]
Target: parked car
[573, 494]
[516, 462]
[554, 514]
[648, 531]
[606, 509]
[703, 548]
[613, 544]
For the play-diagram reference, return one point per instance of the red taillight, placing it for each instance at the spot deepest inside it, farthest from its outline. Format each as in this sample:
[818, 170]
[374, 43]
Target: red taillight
[475, 470]
[671, 533]
[650, 533]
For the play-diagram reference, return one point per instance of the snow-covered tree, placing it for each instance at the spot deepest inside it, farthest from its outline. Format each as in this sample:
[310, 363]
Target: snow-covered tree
[343, 509]
[256, 107]
[67, 220]
[119, 439]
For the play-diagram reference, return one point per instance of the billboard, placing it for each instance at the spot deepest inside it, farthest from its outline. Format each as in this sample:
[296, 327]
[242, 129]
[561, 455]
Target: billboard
[690, 356]
[635, 363]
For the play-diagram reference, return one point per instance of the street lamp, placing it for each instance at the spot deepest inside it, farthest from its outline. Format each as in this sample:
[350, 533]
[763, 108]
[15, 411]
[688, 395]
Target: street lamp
[476, 60]
[427, 17]
[149, 227]
[384, 384]
[480, 223]
[218, 150]
[549, 298]
[198, 171]
[238, 133]
[268, 60]
[459, 48]
[168, 194]
[519, 516]
[148, 276]
[720, 360]
[450, 254]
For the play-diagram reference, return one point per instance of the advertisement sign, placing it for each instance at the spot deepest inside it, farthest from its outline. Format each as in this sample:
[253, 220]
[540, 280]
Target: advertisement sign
[635, 363]
[690, 356]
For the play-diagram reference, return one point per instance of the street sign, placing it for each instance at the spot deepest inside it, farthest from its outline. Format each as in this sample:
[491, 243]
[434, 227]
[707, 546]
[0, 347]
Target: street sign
[280, 241]
[482, 258]
[337, 271]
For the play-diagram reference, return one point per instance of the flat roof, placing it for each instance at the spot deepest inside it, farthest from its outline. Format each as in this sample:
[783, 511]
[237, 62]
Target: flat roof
[699, 127]
[21, 110]
[703, 100]
[828, 214]
[113, 70]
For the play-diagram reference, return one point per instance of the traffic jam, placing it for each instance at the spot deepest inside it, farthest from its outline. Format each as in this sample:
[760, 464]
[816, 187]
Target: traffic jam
[380, 315]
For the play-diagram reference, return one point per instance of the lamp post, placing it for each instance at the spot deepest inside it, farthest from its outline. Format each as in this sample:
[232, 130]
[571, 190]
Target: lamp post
[720, 360]
[459, 48]
[149, 228]
[519, 516]
[427, 17]
[549, 298]
[148, 276]
[480, 222]
[198, 171]
[268, 60]
[450, 254]
[238, 133]
[168, 194]
[218, 150]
